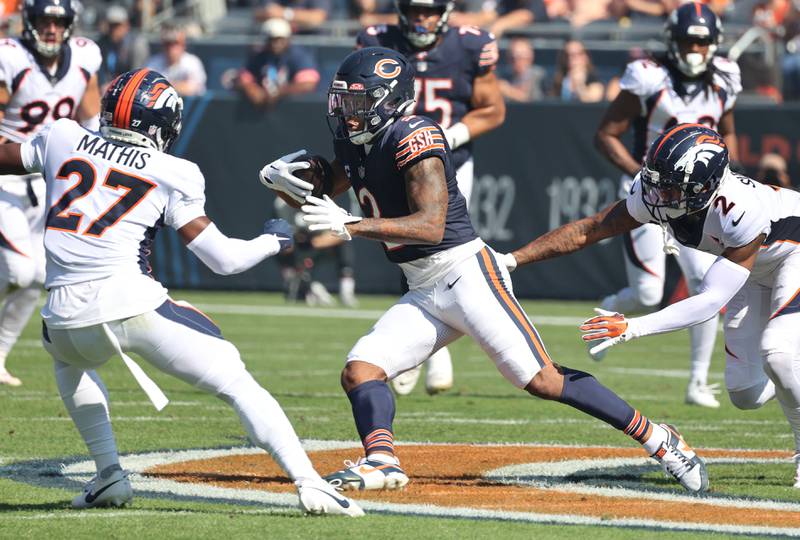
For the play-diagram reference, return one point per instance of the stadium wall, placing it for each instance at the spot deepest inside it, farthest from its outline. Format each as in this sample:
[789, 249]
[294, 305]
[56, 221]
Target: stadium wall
[538, 171]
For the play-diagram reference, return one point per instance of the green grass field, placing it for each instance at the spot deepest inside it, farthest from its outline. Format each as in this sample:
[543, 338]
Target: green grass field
[298, 358]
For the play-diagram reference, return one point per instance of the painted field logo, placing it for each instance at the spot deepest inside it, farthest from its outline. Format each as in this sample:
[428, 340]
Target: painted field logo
[538, 483]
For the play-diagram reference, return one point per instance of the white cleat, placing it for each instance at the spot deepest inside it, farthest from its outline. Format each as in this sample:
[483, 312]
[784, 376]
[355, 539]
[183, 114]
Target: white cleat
[8, 379]
[681, 462]
[317, 497]
[318, 295]
[796, 459]
[369, 474]
[703, 395]
[110, 487]
[439, 375]
[405, 382]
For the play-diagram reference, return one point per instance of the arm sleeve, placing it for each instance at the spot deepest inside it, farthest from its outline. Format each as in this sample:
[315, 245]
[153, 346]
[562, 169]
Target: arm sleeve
[722, 281]
[228, 256]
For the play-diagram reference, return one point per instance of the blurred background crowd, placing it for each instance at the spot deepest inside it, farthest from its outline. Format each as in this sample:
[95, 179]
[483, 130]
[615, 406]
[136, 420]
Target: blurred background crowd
[266, 50]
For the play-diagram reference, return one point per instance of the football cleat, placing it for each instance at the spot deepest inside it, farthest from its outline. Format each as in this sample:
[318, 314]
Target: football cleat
[681, 462]
[368, 474]
[110, 487]
[703, 395]
[405, 382]
[320, 498]
[8, 379]
[439, 374]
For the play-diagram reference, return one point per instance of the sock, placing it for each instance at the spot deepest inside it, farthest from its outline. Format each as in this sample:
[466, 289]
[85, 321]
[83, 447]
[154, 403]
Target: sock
[702, 337]
[373, 411]
[585, 393]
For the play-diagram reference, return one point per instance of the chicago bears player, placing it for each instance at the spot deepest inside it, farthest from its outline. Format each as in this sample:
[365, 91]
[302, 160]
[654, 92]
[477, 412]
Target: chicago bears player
[751, 229]
[107, 195]
[44, 75]
[403, 175]
[688, 83]
[456, 87]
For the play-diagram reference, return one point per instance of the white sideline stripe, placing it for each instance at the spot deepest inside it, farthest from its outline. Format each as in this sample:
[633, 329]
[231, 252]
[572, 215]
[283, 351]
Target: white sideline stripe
[361, 314]
[667, 373]
[133, 513]
[83, 470]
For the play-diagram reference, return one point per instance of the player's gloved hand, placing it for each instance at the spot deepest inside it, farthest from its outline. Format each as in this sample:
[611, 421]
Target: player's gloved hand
[278, 176]
[325, 215]
[509, 260]
[282, 231]
[608, 328]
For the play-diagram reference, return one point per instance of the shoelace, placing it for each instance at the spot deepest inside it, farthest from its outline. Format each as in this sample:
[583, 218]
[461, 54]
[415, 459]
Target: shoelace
[680, 468]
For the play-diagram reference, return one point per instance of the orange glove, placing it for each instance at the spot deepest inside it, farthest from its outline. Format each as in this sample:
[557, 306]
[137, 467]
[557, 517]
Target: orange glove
[608, 327]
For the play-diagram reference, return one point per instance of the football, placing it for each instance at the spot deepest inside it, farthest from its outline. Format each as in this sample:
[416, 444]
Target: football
[319, 174]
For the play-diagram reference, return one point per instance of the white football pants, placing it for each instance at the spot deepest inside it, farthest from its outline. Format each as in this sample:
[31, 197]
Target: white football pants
[762, 342]
[181, 341]
[22, 260]
[645, 266]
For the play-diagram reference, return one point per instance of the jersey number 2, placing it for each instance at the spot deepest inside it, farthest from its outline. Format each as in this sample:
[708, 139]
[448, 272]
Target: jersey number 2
[59, 218]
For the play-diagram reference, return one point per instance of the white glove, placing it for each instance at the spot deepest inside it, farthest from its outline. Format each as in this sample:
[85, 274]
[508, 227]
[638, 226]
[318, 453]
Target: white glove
[278, 176]
[609, 328]
[509, 260]
[325, 215]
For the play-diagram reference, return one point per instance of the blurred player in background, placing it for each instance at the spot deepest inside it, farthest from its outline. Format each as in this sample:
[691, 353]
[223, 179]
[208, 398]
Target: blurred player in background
[689, 83]
[456, 86]
[108, 195]
[404, 177]
[44, 75]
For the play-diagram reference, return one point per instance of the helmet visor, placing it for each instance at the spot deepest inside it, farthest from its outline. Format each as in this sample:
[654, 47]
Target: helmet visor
[347, 103]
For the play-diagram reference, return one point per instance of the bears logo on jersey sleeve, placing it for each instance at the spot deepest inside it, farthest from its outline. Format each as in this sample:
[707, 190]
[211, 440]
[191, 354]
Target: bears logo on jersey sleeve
[417, 138]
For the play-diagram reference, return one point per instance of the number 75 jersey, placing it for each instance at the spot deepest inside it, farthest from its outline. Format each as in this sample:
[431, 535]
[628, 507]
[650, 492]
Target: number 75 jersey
[105, 202]
[39, 98]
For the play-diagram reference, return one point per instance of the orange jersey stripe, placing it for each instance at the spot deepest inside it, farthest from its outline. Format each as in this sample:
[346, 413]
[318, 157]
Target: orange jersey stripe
[519, 315]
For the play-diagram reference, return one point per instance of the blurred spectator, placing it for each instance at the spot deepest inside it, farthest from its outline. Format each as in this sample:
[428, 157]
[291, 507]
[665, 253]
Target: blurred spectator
[525, 84]
[650, 10]
[587, 11]
[575, 78]
[279, 69]
[122, 48]
[310, 250]
[772, 170]
[374, 12]
[304, 15]
[500, 16]
[182, 69]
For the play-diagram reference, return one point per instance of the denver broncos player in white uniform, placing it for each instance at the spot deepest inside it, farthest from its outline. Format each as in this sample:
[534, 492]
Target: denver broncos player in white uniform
[687, 84]
[107, 195]
[456, 86]
[44, 76]
[402, 172]
[751, 229]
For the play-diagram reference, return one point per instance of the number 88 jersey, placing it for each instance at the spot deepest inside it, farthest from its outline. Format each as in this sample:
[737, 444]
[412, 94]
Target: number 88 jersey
[39, 98]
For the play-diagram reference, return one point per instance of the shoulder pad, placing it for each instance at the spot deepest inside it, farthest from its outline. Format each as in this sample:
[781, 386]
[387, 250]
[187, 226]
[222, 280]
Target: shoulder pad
[86, 54]
[643, 77]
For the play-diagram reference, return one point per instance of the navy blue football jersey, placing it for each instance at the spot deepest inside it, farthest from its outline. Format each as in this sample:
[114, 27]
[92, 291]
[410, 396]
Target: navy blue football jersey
[378, 179]
[445, 73]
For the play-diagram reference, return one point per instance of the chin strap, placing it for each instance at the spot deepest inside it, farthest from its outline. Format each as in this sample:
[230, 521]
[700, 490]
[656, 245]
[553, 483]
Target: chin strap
[669, 247]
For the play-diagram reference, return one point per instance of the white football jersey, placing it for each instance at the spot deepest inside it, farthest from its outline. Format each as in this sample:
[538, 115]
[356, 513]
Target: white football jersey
[742, 210]
[37, 97]
[105, 202]
[663, 106]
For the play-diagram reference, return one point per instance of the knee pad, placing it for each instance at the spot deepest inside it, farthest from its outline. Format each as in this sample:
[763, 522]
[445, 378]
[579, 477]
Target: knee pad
[753, 397]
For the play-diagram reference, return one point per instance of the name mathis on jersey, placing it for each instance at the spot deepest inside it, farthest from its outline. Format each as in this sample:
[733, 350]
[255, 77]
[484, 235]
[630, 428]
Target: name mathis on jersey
[128, 156]
[419, 141]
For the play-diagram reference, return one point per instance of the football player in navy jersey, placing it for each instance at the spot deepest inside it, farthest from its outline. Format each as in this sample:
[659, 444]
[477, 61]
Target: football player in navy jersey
[456, 87]
[402, 171]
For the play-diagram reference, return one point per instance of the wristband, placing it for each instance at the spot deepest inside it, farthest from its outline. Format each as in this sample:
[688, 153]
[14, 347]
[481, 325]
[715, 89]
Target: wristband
[457, 135]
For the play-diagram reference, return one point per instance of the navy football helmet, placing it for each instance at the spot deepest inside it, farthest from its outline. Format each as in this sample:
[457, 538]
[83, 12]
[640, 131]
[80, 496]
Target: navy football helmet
[419, 36]
[66, 10]
[371, 89]
[692, 21]
[683, 171]
[143, 109]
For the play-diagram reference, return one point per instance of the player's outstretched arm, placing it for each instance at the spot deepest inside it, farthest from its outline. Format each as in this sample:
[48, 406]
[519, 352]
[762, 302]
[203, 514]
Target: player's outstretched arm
[571, 237]
[11, 159]
[488, 112]
[615, 122]
[722, 281]
[427, 199]
[89, 107]
[226, 256]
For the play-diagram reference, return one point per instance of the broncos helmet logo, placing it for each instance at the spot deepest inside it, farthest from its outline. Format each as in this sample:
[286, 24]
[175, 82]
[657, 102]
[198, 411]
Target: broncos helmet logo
[703, 151]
